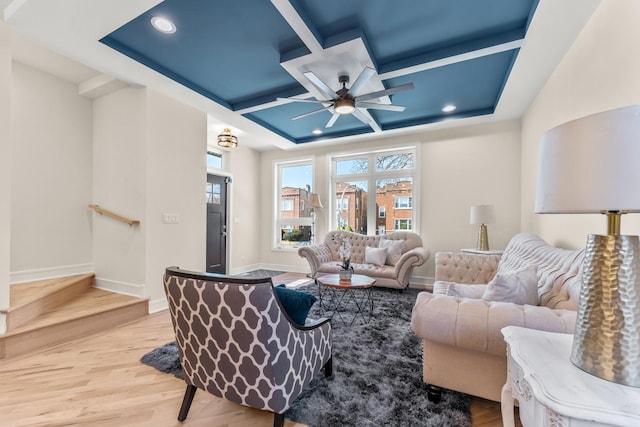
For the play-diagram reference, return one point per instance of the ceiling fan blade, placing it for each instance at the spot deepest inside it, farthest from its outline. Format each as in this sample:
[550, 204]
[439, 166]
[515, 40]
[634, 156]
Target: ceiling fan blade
[386, 92]
[377, 106]
[332, 120]
[322, 86]
[310, 113]
[358, 115]
[363, 78]
[315, 101]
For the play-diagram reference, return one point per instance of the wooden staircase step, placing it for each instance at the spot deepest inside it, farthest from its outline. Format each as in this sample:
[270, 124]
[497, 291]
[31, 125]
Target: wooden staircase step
[95, 310]
[30, 300]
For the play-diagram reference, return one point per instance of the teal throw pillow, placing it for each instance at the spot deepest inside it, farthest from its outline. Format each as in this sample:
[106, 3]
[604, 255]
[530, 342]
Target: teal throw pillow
[296, 303]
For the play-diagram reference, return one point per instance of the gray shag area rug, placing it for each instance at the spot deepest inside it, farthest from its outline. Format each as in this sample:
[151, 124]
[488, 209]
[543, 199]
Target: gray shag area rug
[377, 373]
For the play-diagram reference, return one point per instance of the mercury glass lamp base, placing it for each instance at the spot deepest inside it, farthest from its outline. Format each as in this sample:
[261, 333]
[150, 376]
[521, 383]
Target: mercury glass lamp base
[607, 336]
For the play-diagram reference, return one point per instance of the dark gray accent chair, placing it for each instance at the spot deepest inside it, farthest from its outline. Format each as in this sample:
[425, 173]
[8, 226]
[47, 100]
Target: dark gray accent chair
[236, 341]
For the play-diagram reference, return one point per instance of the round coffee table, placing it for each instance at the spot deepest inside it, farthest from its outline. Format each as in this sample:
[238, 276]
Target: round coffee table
[335, 294]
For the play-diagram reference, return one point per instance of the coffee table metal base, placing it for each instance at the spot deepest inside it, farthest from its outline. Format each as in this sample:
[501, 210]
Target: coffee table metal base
[335, 296]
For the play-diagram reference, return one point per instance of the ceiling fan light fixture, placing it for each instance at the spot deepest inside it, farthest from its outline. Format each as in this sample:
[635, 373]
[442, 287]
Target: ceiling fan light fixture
[345, 106]
[227, 140]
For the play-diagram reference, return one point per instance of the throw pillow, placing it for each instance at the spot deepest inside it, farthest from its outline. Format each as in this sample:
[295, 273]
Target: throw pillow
[394, 250]
[295, 303]
[518, 287]
[460, 290]
[377, 256]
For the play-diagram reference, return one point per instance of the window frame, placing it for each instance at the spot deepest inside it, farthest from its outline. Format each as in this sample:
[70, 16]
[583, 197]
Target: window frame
[278, 220]
[371, 176]
[396, 205]
[396, 221]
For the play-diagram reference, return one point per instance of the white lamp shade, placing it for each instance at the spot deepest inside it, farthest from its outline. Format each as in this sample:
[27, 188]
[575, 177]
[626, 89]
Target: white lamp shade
[314, 201]
[482, 214]
[591, 164]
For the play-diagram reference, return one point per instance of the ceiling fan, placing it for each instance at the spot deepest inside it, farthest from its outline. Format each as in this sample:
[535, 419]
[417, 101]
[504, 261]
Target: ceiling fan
[348, 101]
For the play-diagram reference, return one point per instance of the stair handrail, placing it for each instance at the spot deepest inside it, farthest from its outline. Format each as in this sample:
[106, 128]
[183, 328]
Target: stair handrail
[114, 215]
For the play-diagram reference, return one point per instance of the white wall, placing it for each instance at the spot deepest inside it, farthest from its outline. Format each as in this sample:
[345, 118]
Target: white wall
[51, 175]
[600, 72]
[459, 168]
[246, 213]
[119, 179]
[5, 168]
[176, 176]
[150, 159]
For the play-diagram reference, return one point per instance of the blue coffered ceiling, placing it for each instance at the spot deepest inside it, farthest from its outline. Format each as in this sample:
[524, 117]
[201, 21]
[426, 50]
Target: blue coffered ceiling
[245, 54]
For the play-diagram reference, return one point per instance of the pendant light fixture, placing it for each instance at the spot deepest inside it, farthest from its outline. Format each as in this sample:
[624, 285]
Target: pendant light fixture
[227, 140]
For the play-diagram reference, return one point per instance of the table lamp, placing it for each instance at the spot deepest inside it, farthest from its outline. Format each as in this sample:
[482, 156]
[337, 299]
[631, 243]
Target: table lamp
[592, 166]
[483, 215]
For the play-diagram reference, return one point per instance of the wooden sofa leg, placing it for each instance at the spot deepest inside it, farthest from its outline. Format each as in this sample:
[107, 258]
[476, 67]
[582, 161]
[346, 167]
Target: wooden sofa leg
[434, 393]
[186, 402]
[328, 367]
[278, 420]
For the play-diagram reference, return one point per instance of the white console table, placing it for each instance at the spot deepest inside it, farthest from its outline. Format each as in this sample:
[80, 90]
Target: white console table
[553, 392]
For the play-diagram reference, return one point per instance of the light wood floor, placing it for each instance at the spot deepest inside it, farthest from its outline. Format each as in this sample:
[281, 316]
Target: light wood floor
[98, 381]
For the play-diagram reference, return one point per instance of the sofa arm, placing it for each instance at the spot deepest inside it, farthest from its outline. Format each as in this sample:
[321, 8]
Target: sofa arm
[463, 267]
[474, 324]
[404, 267]
[315, 255]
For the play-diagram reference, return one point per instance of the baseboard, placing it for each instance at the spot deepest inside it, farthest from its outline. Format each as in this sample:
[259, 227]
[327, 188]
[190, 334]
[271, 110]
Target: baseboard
[16, 277]
[124, 288]
[158, 305]
[287, 268]
[263, 266]
[425, 283]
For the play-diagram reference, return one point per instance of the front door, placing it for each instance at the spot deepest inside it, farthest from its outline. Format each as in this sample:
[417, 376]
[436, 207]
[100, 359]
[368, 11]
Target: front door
[216, 224]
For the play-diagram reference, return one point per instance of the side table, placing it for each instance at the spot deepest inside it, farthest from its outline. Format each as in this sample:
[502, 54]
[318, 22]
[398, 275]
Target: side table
[336, 294]
[552, 391]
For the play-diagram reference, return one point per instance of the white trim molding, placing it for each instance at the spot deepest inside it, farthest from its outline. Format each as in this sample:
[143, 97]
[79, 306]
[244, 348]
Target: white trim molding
[49, 273]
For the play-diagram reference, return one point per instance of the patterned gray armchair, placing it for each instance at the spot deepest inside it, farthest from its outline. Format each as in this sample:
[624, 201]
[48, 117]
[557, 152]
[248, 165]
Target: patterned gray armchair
[236, 341]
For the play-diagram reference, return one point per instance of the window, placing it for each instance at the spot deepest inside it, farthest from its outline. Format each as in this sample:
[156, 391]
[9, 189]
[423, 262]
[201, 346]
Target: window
[287, 205]
[372, 190]
[293, 223]
[213, 193]
[402, 202]
[402, 224]
[214, 160]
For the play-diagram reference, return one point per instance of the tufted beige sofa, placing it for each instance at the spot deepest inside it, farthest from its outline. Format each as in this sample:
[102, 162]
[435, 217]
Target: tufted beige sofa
[324, 258]
[463, 347]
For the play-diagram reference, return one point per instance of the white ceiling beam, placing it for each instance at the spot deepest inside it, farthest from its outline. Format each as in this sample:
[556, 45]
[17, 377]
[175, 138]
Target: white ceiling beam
[99, 86]
[467, 56]
[12, 8]
[294, 20]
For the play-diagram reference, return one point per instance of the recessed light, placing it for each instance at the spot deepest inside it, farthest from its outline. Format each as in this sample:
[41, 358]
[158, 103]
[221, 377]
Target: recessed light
[163, 25]
[316, 132]
[448, 108]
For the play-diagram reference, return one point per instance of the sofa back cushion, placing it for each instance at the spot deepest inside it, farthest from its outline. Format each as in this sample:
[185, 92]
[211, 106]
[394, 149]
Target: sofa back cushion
[559, 270]
[359, 243]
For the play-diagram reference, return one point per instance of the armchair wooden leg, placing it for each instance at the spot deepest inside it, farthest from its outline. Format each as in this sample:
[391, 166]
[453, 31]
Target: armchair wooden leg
[328, 367]
[434, 393]
[278, 420]
[186, 402]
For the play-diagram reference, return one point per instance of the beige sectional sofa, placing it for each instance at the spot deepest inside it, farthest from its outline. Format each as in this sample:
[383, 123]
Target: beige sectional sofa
[324, 258]
[463, 347]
